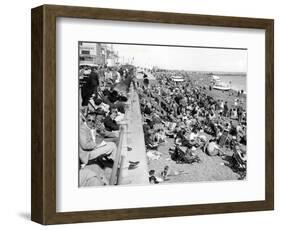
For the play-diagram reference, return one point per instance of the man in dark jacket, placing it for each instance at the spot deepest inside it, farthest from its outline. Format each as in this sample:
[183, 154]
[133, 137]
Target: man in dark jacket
[225, 109]
[145, 80]
[90, 87]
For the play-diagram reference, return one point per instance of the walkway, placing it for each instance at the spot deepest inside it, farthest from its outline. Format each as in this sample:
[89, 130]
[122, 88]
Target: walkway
[133, 146]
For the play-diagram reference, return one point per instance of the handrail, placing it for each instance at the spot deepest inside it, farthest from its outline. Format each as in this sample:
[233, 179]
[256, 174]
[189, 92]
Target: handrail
[117, 161]
[136, 151]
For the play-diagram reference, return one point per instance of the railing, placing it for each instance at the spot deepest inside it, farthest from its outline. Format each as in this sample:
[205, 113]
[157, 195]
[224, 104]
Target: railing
[120, 171]
[135, 142]
[118, 159]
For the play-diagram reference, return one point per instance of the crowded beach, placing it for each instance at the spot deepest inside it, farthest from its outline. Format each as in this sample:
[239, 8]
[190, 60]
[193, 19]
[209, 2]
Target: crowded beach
[192, 131]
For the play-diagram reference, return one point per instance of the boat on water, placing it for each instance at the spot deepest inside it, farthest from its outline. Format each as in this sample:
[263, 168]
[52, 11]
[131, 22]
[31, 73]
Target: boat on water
[221, 86]
[218, 84]
[178, 78]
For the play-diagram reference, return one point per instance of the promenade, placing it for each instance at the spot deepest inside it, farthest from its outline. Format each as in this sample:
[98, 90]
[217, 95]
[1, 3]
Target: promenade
[133, 147]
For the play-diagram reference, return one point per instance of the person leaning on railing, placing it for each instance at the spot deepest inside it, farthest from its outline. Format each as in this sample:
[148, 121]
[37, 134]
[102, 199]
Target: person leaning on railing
[109, 121]
[108, 136]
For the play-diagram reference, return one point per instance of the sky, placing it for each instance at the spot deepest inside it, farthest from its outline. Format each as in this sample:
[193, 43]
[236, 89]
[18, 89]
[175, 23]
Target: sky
[186, 58]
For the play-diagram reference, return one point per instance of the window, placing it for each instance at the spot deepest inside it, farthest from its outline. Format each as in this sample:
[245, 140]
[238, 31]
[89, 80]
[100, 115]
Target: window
[87, 52]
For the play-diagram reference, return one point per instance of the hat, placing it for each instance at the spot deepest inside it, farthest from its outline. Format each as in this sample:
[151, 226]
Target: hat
[98, 101]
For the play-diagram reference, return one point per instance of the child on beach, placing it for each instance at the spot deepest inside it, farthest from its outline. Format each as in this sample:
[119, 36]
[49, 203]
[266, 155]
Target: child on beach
[164, 173]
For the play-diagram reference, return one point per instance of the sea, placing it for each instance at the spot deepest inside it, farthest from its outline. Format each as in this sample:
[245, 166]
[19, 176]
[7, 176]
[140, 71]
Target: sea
[236, 82]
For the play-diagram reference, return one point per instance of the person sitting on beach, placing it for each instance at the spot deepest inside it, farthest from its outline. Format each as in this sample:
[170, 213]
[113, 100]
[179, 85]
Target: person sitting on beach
[147, 109]
[211, 148]
[180, 138]
[149, 137]
[152, 178]
[240, 132]
[182, 154]
[159, 136]
[212, 115]
[243, 139]
[170, 129]
[164, 173]
[91, 144]
[193, 138]
[232, 129]
[155, 116]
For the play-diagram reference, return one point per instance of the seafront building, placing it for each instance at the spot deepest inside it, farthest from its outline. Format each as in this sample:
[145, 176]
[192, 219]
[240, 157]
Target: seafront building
[94, 54]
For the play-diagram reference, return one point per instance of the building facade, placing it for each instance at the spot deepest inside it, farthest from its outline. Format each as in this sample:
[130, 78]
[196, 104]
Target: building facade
[95, 54]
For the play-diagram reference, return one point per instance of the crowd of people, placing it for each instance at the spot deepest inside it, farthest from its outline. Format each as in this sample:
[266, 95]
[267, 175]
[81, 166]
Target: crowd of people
[102, 108]
[186, 113]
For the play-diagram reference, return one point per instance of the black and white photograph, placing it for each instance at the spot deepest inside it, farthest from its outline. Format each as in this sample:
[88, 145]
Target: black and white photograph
[153, 114]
